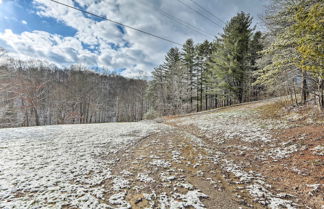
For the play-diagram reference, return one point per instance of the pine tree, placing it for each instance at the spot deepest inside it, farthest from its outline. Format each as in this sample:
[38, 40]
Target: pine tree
[309, 32]
[231, 63]
[256, 46]
[280, 19]
[203, 56]
[188, 59]
[168, 89]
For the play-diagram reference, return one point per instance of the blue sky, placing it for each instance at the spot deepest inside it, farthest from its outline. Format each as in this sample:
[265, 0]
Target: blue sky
[44, 30]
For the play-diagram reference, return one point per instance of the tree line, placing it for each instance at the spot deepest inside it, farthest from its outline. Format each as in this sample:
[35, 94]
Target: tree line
[209, 74]
[34, 93]
[243, 65]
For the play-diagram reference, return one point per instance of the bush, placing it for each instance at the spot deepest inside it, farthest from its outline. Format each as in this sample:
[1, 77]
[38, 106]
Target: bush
[151, 114]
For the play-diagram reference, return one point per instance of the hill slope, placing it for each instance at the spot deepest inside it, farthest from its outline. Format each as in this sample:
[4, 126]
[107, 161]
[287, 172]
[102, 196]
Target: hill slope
[228, 158]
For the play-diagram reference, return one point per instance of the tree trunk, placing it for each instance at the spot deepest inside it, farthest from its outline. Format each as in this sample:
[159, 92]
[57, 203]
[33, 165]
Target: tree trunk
[36, 117]
[321, 94]
[295, 94]
[304, 89]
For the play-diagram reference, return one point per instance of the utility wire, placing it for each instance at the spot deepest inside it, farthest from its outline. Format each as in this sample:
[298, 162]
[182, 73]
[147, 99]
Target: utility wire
[182, 22]
[118, 23]
[188, 25]
[206, 10]
[201, 14]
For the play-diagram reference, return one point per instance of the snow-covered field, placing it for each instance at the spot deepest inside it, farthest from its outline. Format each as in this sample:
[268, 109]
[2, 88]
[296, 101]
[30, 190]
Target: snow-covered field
[51, 166]
[216, 159]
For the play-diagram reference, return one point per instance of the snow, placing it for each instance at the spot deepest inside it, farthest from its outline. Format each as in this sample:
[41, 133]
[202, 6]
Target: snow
[242, 124]
[267, 198]
[161, 163]
[235, 124]
[284, 152]
[64, 164]
[318, 150]
[143, 177]
[120, 183]
[119, 199]
[181, 201]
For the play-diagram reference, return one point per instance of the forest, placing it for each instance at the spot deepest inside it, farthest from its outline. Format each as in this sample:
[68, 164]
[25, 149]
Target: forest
[38, 94]
[245, 65]
[240, 65]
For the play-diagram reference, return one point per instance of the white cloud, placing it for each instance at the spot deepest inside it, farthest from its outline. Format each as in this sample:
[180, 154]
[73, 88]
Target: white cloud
[23, 21]
[143, 52]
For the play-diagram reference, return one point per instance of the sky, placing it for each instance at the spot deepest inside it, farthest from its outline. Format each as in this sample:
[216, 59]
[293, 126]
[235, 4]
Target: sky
[42, 29]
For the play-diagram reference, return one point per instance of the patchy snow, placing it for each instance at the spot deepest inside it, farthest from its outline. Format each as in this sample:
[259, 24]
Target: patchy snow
[235, 124]
[265, 197]
[65, 164]
[318, 150]
[143, 177]
[181, 201]
[120, 183]
[315, 188]
[186, 186]
[283, 152]
[119, 200]
[160, 163]
[166, 178]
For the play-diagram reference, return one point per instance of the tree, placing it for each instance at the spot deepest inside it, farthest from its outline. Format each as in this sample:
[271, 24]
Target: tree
[231, 62]
[188, 59]
[255, 47]
[279, 20]
[309, 32]
[168, 89]
[203, 52]
[296, 48]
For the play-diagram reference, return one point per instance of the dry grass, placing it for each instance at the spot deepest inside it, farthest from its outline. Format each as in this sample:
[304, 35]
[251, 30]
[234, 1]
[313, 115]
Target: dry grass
[274, 110]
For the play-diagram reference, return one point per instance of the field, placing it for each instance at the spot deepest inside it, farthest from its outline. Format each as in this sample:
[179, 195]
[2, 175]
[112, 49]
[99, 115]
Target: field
[227, 158]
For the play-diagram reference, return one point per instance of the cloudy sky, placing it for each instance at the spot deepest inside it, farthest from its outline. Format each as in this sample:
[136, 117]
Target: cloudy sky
[45, 30]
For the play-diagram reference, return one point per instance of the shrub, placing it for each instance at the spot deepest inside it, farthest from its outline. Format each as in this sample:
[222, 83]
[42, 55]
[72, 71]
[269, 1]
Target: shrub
[151, 114]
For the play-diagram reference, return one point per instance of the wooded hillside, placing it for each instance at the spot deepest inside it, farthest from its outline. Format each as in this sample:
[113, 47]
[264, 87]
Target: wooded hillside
[39, 94]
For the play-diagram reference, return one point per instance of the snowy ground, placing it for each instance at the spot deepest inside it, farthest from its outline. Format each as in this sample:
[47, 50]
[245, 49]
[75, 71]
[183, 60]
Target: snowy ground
[53, 166]
[217, 159]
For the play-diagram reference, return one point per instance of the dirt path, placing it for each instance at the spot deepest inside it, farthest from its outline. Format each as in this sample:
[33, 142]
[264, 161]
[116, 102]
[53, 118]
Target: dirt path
[176, 166]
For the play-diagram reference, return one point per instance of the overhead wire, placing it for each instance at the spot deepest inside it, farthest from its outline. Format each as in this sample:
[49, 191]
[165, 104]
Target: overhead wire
[206, 10]
[198, 12]
[118, 23]
[179, 21]
[188, 25]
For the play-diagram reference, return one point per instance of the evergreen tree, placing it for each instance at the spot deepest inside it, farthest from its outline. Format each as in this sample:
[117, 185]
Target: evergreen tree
[231, 63]
[279, 20]
[168, 89]
[309, 32]
[188, 59]
[203, 56]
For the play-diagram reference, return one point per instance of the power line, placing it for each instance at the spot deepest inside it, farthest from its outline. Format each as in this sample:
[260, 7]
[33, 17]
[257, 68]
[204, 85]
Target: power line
[118, 23]
[198, 12]
[206, 10]
[180, 21]
[188, 25]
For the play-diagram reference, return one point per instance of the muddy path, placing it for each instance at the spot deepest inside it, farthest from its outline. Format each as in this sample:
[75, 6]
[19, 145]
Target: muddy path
[173, 169]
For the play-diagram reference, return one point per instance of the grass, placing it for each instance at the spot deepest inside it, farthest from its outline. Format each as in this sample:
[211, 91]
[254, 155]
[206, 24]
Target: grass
[273, 110]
